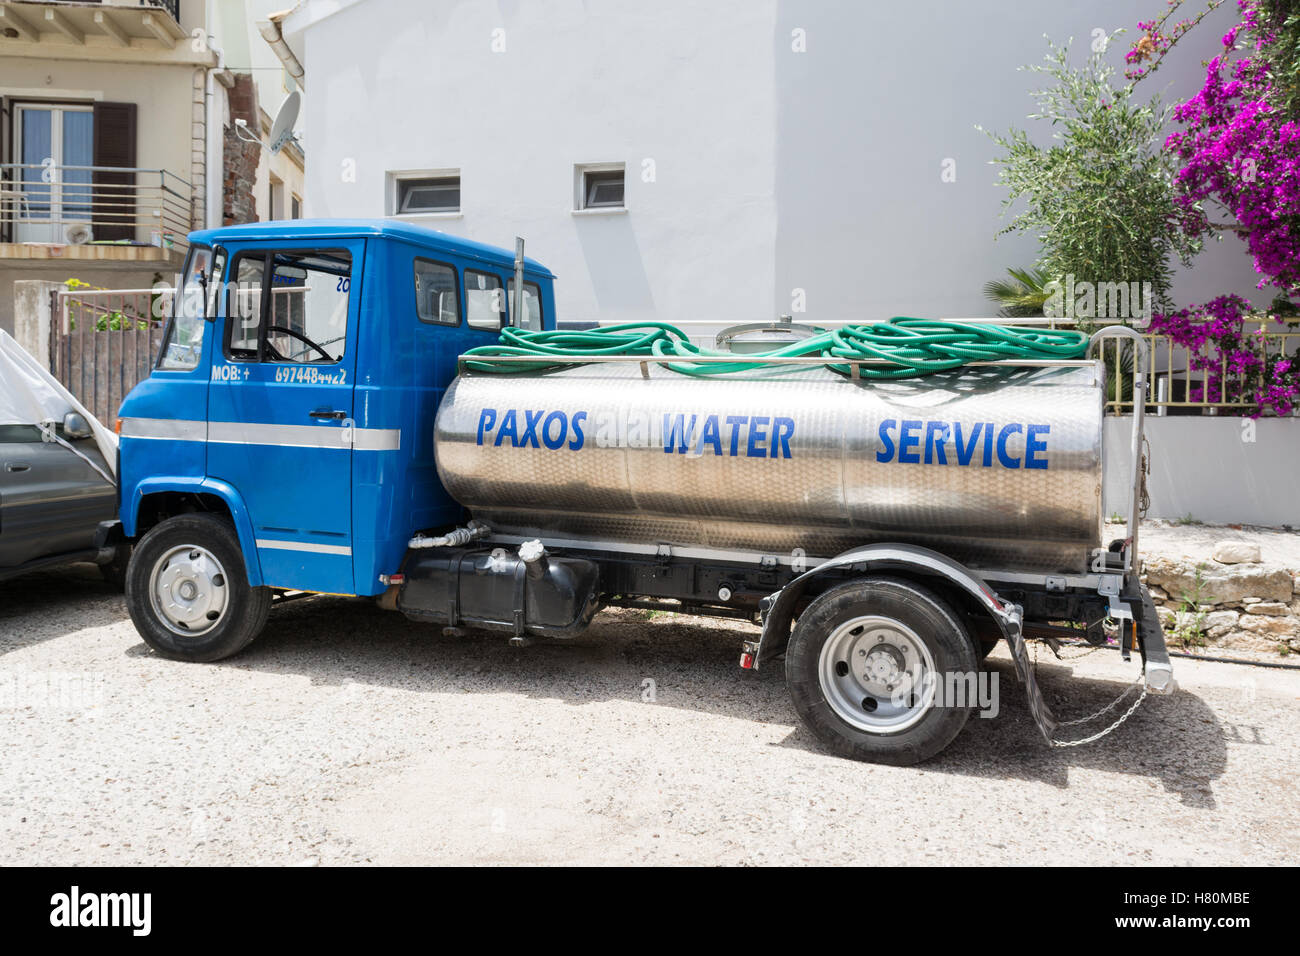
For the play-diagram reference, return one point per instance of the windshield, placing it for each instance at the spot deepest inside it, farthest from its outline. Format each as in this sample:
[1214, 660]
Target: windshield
[182, 348]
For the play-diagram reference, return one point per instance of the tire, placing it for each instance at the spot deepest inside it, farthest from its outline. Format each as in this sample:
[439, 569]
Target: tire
[890, 627]
[188, 593]
[114, 572]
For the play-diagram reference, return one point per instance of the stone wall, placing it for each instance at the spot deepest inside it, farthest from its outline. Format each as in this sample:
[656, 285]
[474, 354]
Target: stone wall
[239, 157]
[1232, 600]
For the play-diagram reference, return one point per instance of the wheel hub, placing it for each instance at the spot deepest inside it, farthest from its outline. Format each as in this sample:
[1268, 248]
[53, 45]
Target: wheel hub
[877, 674]
[188, 590]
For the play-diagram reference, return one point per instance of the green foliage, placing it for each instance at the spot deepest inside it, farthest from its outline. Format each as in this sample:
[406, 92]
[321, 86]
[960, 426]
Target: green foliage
[1100, 197]
[108, 320]
[1190, 629]
[1282, 19]
[1020, 297]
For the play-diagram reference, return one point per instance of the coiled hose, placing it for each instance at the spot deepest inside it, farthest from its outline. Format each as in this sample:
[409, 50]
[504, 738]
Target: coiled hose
[910, 347]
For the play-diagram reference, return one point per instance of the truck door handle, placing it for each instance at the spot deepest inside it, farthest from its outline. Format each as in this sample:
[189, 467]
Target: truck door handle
[328, 413]
[17, 466]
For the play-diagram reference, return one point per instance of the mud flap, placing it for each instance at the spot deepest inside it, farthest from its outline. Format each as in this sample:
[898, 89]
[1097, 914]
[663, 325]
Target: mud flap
[1042, 714]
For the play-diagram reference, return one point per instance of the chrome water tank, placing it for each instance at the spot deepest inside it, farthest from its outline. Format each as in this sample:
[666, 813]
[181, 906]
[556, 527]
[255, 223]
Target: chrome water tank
[997, 467]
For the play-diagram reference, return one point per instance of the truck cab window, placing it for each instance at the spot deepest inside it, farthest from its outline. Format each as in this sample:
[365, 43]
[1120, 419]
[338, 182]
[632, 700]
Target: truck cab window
[437, 299]
[532, 317]
[182, 347]
[485, 300]
[305, 318]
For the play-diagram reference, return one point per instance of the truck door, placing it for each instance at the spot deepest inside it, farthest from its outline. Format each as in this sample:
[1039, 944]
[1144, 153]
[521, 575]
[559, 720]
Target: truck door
[280, 406]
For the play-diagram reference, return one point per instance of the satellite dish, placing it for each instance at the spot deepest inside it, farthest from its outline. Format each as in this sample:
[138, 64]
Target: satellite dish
[282, 128]
[77, 233]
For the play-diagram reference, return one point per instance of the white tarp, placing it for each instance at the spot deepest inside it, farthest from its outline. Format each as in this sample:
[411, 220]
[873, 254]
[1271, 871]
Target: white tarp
[30, 395]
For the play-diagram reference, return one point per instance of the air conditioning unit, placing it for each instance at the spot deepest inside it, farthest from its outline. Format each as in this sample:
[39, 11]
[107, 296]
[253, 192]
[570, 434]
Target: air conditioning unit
[77, 233]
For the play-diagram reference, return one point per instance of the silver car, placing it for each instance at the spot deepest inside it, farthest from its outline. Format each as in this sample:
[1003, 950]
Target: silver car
[54, 507]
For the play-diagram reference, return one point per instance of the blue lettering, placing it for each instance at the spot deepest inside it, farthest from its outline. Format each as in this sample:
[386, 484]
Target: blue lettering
[1007, 432]
[908, 439]
[988, 444]
[735, 421]
[486, 419]
[529, 437]
[967, 451]
[784, 431]
[936, 433]
[579, 438]
[677, 433]
[710, 435]
[509, 429]
[886, 439]
[558, 440]
[1034, 444]
[757, 435]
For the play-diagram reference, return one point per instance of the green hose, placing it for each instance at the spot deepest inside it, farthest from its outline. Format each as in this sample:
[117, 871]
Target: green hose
[911, 347]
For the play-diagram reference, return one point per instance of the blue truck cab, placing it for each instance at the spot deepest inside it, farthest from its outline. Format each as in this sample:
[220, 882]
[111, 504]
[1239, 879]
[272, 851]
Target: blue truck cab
[292, 406]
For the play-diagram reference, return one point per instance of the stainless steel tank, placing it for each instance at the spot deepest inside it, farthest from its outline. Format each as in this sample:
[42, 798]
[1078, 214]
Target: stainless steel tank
[997, 467]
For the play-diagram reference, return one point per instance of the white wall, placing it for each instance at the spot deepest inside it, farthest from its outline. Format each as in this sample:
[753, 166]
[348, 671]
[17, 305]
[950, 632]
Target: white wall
[1217, 469]
[883, 96]
[775, 170]
[687, 86]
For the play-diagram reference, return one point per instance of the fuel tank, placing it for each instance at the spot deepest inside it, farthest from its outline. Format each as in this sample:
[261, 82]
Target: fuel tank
[997, 467]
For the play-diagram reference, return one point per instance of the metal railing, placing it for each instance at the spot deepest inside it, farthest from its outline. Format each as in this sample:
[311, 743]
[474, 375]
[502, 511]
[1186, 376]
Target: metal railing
[104, 341]
[171, 6]
[72, 205]
[1178, 387]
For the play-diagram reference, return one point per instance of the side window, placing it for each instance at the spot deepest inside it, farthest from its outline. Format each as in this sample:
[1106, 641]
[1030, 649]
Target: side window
[305, 320]
[437, 299]
[182, 347]
[532, 317]
[244, 306]
[485, 300]
[19, 434]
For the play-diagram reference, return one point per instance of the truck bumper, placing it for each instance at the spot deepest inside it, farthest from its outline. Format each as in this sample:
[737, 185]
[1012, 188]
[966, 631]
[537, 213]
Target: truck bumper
[1156, 667]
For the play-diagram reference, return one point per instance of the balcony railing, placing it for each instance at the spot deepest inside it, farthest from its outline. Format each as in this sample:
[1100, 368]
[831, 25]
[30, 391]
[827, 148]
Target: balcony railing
[74, 205]
[171, 6]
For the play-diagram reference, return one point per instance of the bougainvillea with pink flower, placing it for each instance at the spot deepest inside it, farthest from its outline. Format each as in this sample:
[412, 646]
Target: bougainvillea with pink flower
[1240, 142]
[1236, 365]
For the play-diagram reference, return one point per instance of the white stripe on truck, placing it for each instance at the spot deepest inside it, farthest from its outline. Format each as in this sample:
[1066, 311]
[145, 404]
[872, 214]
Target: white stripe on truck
[250, 433]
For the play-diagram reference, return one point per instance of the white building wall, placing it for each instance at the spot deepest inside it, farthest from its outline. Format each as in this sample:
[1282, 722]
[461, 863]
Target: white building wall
[774, 170]
[406, 85]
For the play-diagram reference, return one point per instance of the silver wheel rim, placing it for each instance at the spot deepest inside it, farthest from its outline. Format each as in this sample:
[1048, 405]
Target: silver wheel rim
[877, 674]
[189, 591]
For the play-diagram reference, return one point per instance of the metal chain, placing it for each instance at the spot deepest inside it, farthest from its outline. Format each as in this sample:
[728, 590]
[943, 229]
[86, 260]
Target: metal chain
[1091, 717]
[1102, 733]
[1082, 654]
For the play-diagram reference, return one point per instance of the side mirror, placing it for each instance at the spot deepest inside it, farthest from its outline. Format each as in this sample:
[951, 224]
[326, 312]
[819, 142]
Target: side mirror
[75, 426]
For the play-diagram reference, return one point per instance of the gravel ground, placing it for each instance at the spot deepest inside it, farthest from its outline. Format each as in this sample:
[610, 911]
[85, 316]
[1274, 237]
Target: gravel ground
[349, 735]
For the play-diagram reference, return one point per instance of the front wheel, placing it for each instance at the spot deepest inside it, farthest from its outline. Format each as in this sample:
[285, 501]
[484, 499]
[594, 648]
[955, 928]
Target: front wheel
[870, 668]
[188, 593]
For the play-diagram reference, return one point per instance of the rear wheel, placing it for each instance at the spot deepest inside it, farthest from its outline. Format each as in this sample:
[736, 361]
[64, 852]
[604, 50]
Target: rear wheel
[188, 593]
[868, 670]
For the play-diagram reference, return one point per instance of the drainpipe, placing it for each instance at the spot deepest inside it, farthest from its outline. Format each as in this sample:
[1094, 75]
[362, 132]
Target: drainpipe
[270, 30]
[214, 172]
